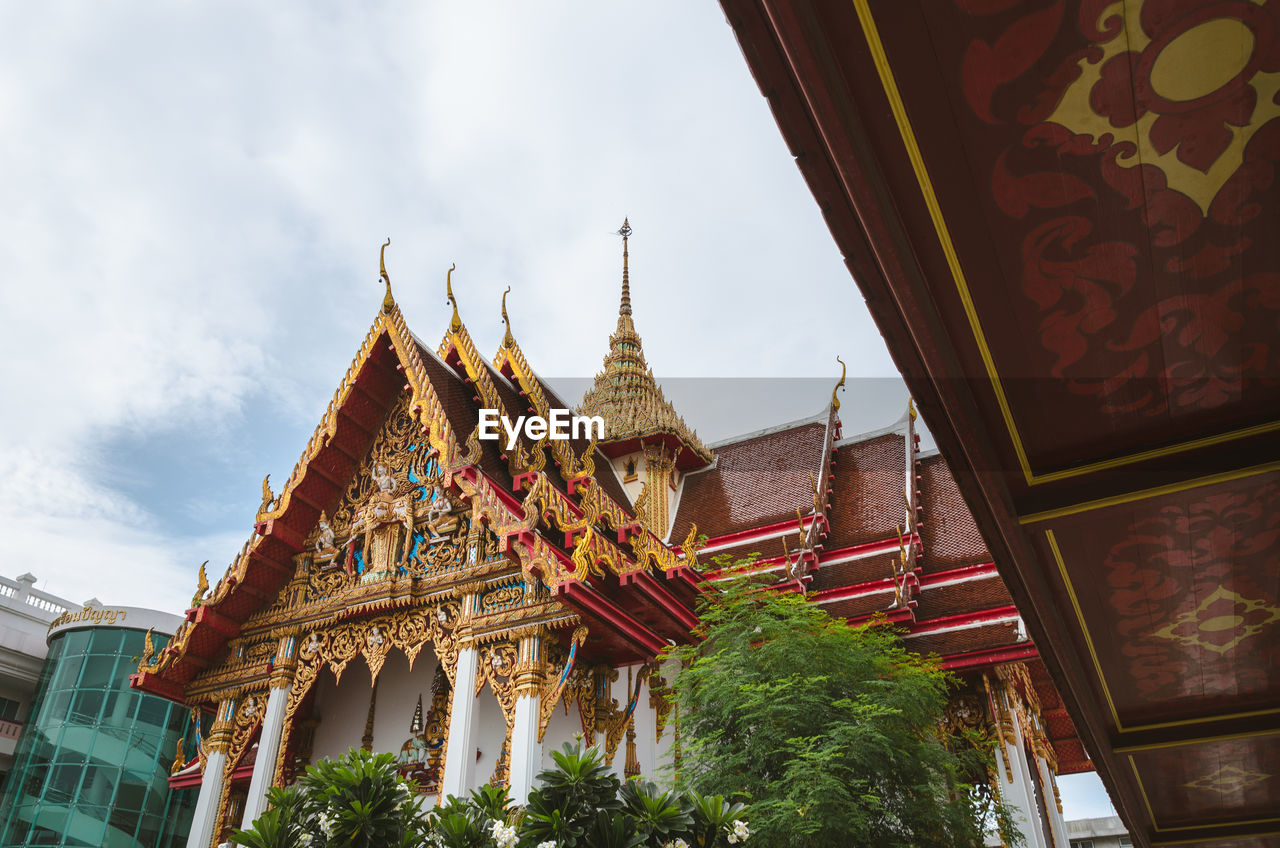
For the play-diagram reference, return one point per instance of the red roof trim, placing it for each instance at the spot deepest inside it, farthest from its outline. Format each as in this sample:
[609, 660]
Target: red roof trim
[991, 657]
[990, 616]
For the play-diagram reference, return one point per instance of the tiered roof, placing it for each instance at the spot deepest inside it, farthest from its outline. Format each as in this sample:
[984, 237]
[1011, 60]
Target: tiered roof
[864, 526]
[626, 395]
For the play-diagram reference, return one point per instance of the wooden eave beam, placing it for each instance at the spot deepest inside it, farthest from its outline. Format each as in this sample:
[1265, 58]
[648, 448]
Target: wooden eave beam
[782, 45]
[216, 621]
[645, 582]
[633, 631]
[157, 685]
[286, 535]
[1190, 734]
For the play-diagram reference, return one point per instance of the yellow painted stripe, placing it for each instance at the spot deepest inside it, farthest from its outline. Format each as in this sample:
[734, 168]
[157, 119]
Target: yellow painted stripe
[899, 109]
[1088, 639]
[1156, 453]
[1201, 740]
[1144, 494]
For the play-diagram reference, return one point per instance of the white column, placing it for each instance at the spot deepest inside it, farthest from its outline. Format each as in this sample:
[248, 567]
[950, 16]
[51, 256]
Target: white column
[269, 741]
[1057, 824]
[1019, 793]
[204, 821]
[460, 759]
[526, 750]
[205, 818]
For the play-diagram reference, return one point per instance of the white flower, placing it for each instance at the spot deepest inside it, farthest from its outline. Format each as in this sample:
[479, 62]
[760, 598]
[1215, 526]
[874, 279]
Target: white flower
[504, 835]
[739, 832]
[547, 844]
[678, 843]
[326, 824]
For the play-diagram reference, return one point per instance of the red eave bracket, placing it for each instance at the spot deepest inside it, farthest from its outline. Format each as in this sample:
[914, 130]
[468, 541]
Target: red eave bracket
[215, 620]
[689, 577]
[990, 657]
[186, 779]
[163, 687]
[654, 591]
[582, 595]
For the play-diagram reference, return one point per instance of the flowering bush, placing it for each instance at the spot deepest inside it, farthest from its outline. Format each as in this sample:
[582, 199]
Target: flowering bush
[357, 800]
[360, 800]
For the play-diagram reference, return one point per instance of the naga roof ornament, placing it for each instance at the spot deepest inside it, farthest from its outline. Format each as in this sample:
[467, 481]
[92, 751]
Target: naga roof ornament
[625, 392]
[835, 401]
[507, 339]
[456, 323]
[388, 302]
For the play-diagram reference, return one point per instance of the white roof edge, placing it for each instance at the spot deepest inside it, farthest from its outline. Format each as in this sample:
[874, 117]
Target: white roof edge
[817, 418]
[899, 426]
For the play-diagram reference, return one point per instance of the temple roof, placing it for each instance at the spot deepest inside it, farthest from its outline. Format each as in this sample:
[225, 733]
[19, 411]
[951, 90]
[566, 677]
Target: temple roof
[757, 480]
[625, 393]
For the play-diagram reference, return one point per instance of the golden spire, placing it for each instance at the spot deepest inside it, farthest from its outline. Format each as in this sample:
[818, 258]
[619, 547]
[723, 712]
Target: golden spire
[835, 401]
[415, 725]
[625, 232]
[507, 339]
[388, 302]
[456, 324]
[625, 393]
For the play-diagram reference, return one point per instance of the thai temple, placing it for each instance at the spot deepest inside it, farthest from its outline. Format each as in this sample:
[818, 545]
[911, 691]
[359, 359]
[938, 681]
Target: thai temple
[470, 607]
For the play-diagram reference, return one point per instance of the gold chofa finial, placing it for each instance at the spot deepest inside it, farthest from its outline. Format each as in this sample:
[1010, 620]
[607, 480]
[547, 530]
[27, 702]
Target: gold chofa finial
[456, 324]
[911, 408]
[148, 648]
[202, 585]
[388, 302]
[179, 758]
[507, 340]
[625, 232]
[835, 401]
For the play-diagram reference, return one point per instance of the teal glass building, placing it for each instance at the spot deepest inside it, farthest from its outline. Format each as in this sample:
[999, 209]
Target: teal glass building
[92, 766]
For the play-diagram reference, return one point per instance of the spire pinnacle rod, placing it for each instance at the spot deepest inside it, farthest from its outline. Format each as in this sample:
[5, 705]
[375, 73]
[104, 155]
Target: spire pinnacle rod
[625, 232]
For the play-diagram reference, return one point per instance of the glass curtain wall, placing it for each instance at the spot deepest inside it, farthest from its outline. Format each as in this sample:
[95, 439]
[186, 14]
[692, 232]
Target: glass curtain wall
[92, 766]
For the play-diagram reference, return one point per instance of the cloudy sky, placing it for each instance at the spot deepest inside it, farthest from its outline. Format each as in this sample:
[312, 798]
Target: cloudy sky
[194, 197]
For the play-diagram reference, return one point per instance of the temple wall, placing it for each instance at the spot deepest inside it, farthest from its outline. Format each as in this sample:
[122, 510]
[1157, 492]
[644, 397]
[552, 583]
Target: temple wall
[618, 691]
[342, 709]
[490, 733]
[646, 745]
[398, 691]
[561, 728]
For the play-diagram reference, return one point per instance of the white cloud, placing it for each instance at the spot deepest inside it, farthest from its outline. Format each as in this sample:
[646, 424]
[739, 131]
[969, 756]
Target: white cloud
[195, 194]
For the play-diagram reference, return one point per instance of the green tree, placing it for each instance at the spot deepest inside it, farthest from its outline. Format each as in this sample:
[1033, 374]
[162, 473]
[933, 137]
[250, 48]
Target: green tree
[832, 733]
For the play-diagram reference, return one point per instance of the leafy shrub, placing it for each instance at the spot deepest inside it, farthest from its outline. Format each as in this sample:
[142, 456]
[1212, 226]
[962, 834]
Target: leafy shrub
[360, 800]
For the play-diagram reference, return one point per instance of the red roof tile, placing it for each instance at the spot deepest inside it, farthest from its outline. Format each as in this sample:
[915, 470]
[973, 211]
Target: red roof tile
[862, 570]
[757, 481]
[860, 606]
[868, 493]
[996, 635]
[970, 596]
[947, 529]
